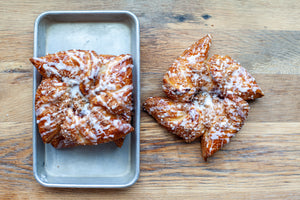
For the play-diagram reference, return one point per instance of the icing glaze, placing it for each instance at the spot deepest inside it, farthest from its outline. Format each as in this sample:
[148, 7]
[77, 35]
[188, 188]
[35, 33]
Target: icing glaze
[85, 98]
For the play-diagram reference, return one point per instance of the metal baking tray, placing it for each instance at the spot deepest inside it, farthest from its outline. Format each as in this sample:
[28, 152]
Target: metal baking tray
[104, 165]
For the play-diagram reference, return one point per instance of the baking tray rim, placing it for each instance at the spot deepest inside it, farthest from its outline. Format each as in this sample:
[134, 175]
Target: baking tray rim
[137, 103]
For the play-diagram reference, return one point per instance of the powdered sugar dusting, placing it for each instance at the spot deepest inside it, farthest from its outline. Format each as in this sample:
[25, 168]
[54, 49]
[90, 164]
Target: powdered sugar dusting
[213, 91]
[232, 79]
[186, 76]
[191, 73]
[191, 120]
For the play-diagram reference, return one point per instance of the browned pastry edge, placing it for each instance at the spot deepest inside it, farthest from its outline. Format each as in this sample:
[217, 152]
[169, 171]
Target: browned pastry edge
[185, 70]
[119, 142]
[223, 128]
[56, 139]
[232, 79]
[220, 75]
[191, 73]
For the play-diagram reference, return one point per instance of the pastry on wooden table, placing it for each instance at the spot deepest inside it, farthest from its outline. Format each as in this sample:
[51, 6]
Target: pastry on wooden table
[205, 97]
[232, 79]
[192, 72]
[215, 118]
[84, 98]
[188, 74]
[226, 117]
[113, 86]
[183, 119]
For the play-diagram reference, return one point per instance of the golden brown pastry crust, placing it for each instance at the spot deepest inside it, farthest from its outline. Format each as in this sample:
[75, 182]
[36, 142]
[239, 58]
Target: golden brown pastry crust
[188, 74]
[232, 79]
[67, 100]
[207, 97]
[113, 87]
[60, 142]
[206, 115]
[226, 118]
[52, 100]
[119, 142]
[98, 126]
[183, 119]
[192, 73]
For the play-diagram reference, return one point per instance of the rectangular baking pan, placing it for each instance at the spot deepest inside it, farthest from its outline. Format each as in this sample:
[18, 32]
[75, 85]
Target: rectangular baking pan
[104, 165]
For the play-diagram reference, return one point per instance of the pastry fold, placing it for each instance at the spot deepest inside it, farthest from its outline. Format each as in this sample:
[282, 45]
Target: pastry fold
[213, 118]
[84, 98]
[188, 74]
[192, 72]
[206, 97]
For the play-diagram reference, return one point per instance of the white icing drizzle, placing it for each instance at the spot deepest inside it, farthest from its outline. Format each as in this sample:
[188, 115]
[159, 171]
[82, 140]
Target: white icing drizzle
[193, 59]
[220, 76]
[232, 79]
[190, 74]
[67, 106]
[42, 108]
[186, 77]
[208, 114]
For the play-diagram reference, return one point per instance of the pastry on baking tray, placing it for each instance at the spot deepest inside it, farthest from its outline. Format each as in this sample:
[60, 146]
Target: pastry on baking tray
[192, 72]
[206, 97]
[113, 87]
[84, 98]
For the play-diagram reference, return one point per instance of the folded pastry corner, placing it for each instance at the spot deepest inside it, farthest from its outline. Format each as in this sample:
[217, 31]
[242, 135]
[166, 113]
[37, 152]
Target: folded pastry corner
[113, 86]
[208, 115]
[182, 119]
[192, 73]
[72, 64]
[52, 100]
[188, 74]
[228, 118]
[119, 142]
[97, 126]
[233, 79]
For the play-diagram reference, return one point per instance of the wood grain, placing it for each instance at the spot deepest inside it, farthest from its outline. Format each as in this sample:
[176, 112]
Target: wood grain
[261, 162]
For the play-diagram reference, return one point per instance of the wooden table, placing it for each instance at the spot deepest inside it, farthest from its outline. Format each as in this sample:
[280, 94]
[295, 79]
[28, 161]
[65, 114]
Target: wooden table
[262, 161]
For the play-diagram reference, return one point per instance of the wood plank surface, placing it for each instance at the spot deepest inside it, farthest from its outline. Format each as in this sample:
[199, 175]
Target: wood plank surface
[261, 162]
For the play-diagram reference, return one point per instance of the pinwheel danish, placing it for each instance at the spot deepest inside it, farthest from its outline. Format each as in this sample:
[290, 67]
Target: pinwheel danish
[84, 98]
[206, 97]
